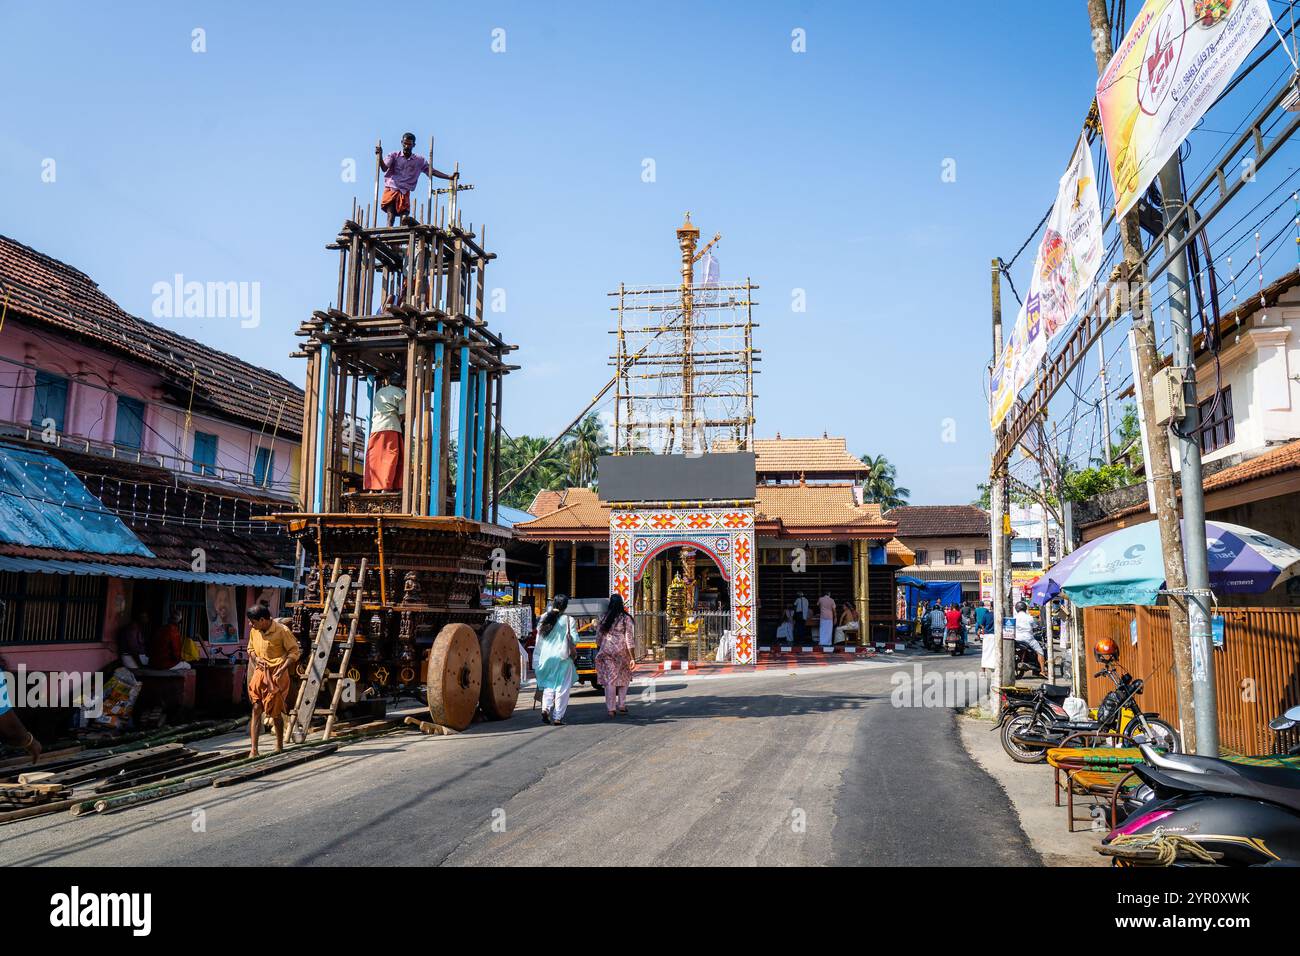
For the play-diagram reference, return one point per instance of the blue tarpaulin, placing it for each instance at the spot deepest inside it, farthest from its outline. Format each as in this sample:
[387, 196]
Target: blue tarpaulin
[946, 592]
[44, 505]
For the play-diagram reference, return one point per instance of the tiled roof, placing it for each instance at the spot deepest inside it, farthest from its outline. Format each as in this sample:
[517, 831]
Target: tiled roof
[812, 456]
[796, 507]
[806, 506]
[899, 553]
[544, 502]
[576, 508]
[938, 521]
[48, 292]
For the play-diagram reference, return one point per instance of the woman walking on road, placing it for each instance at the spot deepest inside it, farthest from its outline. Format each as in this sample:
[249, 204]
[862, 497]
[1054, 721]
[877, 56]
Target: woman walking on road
[617, 654]
[553, 660]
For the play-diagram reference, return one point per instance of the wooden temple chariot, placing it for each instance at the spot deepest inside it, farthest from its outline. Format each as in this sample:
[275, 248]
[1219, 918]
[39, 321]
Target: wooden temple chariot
[410, 299]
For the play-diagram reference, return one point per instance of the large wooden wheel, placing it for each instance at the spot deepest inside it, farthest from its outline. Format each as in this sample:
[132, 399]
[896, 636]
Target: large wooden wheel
[500, 649]
[455, 676]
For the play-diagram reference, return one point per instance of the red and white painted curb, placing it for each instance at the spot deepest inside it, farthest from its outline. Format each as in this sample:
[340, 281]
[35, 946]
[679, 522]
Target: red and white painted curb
[809, 649]
[676, 665]
[891, 647]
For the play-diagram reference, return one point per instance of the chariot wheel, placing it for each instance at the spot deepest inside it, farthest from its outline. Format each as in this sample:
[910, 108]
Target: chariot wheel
[455, 677]
[500, 649]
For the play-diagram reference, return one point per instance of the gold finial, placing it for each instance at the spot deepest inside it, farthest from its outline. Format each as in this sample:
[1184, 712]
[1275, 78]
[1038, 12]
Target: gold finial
[688, 226]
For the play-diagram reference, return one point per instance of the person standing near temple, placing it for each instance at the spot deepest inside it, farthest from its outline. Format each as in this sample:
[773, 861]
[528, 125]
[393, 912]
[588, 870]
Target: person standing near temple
[384, 447]
[553, 657]
[800, 617]
[616, 656]
[826, 619]
[402, 169]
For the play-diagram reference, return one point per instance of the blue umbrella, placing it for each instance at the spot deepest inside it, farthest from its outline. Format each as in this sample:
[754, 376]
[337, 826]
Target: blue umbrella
[1126, 566]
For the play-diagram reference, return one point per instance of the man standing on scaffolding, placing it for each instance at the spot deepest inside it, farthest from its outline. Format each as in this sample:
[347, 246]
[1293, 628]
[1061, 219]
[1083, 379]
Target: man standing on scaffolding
[402, 171]
[384, 447]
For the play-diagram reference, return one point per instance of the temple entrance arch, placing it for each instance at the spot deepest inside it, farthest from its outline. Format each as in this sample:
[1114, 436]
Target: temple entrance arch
[726, 535]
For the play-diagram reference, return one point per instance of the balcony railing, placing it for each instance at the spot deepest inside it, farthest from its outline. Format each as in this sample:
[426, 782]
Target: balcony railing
[175, 463]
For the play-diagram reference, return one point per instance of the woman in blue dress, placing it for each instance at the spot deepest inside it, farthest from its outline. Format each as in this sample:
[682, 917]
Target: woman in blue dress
[553, 660]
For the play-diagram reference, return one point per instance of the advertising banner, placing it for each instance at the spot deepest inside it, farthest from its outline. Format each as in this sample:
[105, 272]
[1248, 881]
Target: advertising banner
[1068, 258]
[1175, 60]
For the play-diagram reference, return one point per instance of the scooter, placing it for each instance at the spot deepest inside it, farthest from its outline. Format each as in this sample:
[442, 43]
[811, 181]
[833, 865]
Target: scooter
[934, 638]
[954, 643]
[1239, 814]
[1029, 732]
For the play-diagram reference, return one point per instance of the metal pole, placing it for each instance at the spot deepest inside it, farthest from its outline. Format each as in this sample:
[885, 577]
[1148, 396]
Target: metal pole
[1189, 458]
[998, 521]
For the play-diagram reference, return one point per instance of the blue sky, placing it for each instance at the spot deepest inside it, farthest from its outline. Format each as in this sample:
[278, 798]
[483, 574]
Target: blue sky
[821, 169]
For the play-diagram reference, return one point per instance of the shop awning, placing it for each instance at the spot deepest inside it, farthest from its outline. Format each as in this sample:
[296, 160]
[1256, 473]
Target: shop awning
[40, 566]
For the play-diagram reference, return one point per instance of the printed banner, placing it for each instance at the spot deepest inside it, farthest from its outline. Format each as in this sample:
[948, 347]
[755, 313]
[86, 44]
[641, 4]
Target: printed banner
[1175, 60]
[1065, 266]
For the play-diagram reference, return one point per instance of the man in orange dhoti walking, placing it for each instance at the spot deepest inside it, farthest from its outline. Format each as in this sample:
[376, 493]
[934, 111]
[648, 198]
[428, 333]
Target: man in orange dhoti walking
[272, 650]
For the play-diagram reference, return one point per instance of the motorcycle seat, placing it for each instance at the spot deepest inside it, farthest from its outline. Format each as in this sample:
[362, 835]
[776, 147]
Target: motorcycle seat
[1055, 691]
[1280, 785]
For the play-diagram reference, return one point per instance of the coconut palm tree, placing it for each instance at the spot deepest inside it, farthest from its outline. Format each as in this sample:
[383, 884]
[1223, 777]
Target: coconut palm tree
[880, 484]
[587, 443]
[549, 473]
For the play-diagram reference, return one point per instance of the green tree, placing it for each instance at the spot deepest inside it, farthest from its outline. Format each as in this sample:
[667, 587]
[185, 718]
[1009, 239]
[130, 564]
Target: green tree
[549, 473]
[881, 483]
[587, 442]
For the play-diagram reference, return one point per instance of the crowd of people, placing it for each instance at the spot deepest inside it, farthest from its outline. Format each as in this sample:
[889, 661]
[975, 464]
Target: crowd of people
[837, 622]
[933, 623]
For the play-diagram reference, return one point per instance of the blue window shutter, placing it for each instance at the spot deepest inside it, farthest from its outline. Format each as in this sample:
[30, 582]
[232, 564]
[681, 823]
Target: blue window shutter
[264, 468]
[129, 430]
[205, 453]
[51, 400]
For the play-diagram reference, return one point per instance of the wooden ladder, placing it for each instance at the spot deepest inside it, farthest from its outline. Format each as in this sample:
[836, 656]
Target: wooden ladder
[318, 666]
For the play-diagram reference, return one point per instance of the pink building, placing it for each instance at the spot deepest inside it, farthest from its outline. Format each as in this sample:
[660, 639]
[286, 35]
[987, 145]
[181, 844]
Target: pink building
[179, 447]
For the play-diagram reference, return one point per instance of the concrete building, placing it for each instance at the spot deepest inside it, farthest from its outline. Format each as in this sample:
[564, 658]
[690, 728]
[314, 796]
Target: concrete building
[950, 542]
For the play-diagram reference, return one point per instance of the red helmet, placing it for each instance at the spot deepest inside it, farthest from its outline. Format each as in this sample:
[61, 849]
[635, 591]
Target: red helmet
[1105, 650]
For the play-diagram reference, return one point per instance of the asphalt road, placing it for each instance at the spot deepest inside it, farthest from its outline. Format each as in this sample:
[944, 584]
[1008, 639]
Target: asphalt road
[810, 768]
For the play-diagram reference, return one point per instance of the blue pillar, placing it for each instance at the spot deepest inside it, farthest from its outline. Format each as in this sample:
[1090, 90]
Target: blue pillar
[322, 399]
[435, 478]
[464, 438]
[480, 467]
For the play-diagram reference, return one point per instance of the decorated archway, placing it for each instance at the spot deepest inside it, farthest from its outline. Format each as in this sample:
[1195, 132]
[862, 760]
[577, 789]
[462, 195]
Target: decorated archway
[725, 534]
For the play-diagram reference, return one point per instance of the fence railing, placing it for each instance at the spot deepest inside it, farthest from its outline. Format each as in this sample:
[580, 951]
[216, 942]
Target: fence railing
[1256, 671]
[652, 634]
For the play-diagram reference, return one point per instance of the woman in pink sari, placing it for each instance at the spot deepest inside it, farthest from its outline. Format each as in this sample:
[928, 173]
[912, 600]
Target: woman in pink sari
[616, 656]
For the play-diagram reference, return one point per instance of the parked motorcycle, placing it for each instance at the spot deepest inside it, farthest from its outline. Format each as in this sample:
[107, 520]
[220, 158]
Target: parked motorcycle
[1026, 662]
[1241, 813]
[1029, 731]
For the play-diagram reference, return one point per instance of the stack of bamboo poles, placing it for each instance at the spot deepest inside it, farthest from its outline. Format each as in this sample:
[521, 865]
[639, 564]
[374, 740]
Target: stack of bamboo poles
[151, 768]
